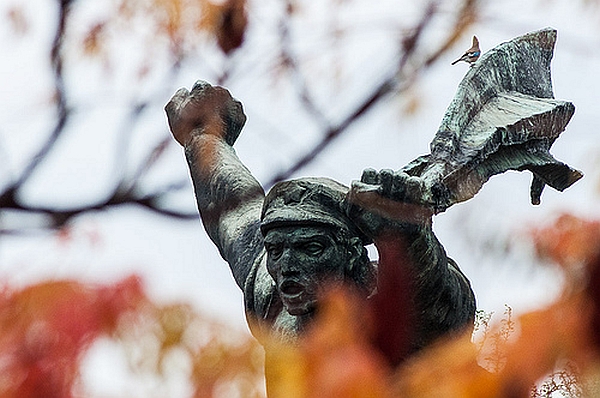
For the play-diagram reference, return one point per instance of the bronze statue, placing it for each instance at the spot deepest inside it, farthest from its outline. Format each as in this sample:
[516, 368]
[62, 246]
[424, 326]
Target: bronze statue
[286, 247]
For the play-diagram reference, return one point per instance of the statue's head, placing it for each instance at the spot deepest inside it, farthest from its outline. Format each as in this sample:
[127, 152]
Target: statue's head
[311, 242]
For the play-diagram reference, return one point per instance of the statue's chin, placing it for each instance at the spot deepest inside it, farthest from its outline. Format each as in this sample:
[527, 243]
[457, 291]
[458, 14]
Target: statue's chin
[300, 309]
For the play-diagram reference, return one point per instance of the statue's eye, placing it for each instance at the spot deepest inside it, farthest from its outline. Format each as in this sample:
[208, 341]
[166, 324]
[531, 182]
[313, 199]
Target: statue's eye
[274, 251]
[314, 248]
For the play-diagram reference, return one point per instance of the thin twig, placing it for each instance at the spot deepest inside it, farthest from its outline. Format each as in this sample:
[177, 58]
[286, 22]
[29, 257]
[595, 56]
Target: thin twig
[62, 109]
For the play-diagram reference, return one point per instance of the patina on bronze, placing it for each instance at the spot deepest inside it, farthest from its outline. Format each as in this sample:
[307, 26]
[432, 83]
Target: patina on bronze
[286, 247]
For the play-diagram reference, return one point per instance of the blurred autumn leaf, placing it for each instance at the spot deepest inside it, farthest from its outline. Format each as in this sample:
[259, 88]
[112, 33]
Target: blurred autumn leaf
[180, 21]
[571, 241]
[228, 23]
[17, 20]
[93, 40]
[336, 357]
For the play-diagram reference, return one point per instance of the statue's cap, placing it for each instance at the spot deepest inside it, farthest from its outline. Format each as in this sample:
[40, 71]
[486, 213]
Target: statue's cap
[308, 201]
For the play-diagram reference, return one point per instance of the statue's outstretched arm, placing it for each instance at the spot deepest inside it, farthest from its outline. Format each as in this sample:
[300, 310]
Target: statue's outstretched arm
[206, 121]
[503, 117]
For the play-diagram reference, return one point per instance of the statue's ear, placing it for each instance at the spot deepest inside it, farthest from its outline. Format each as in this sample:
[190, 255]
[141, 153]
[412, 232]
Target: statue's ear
[359, 269]
[356, 252]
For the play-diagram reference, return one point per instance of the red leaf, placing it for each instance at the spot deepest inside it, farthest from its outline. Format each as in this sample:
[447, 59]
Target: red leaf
[232, 25]
[392, 307]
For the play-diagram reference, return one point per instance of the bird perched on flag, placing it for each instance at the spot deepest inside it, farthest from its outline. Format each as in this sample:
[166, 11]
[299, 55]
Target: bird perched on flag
[472, 54]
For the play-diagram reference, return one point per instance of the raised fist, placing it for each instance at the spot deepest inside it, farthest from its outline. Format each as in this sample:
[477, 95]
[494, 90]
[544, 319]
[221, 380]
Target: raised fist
[205, 110]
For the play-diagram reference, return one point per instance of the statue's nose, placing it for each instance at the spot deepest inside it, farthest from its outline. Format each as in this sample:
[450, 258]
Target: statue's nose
[287, 263]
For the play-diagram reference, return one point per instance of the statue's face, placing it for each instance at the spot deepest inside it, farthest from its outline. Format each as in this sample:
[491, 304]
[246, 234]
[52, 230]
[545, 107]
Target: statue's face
[302, 261]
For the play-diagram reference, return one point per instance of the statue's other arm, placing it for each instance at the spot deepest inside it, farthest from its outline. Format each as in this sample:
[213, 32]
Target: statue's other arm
[206, 122]
[386, 206]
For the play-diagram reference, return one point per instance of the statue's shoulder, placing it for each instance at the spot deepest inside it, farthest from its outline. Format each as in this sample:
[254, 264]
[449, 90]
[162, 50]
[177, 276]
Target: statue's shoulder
[262, 302]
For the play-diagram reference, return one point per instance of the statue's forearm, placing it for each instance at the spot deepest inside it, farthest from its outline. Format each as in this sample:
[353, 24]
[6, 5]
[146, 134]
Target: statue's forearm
[229, 200]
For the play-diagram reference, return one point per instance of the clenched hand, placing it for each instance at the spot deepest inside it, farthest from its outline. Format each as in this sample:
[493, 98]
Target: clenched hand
[205, 110]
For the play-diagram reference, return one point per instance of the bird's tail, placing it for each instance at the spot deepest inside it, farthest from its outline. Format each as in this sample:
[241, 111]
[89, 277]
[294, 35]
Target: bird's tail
[457, 61]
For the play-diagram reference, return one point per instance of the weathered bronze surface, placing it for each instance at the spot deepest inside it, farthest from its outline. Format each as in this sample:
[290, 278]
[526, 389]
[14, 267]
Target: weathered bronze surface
[284, 249]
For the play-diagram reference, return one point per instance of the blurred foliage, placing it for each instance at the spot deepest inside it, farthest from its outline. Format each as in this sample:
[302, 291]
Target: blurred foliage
[181, 21]
[506, 359]
[47, 328]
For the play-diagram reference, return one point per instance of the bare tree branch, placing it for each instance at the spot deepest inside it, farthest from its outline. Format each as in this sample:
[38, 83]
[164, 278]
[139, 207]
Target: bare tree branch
[127, 190]
[380, 92]
[8, 197]
[59, 217]
[62, 109]
[131, 194]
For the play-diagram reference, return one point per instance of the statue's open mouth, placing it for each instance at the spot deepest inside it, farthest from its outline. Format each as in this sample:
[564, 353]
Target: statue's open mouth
[291, 288]
[295, 298]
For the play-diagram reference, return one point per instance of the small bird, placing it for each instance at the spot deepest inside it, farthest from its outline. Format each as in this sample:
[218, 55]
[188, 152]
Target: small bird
[472, 54]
